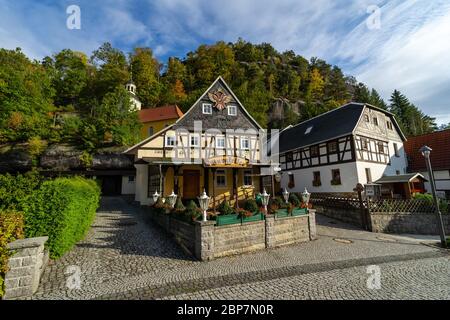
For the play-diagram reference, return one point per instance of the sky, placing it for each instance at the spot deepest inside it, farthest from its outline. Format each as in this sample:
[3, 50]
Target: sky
[387, 44]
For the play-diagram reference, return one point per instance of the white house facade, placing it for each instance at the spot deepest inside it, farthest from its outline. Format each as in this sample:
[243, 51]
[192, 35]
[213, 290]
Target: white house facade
[333, 152]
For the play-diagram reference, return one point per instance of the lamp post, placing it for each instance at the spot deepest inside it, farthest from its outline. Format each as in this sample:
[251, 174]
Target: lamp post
[286, 195]
[305, 197]
[155, 196]
[426, 151]
[265, 199]
[204, 203]
[172, 198]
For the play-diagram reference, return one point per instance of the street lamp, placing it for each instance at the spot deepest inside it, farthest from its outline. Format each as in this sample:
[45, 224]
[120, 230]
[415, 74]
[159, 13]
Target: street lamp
[204, 203]
[426, 151]
[286, 195]
[305, 197]
[265, 199]
[155, 196]
[172, 198]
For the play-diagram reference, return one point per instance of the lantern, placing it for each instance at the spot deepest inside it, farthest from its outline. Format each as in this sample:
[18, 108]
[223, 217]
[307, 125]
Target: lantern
[265, 199]
[286, 195]
[204, 203]
[155, 196]
[172, 198]
[305, 197]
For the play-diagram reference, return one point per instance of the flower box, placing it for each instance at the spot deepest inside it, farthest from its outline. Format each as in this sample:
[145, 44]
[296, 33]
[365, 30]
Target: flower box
[256, 217]
[299, 211]
[224, 220]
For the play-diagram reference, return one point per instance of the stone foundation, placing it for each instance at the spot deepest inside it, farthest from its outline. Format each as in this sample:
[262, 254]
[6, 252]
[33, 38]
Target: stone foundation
[413, 223]
[25, 267]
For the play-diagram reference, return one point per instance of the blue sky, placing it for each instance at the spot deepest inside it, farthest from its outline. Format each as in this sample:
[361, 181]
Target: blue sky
[410, 50]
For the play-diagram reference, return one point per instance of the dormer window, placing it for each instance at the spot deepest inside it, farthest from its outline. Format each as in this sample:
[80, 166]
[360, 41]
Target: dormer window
[207, 108]
[232, 110]
[375, 121]
[366, 118]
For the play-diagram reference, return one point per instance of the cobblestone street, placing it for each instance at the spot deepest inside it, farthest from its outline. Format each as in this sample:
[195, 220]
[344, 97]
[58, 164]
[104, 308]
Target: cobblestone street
[124, 256]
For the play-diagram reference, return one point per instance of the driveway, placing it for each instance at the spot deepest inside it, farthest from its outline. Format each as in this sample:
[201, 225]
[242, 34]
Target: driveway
[125, 256]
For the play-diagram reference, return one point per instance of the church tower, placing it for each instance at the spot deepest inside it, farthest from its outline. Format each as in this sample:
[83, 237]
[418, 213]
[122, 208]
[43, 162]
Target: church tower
[131, 88]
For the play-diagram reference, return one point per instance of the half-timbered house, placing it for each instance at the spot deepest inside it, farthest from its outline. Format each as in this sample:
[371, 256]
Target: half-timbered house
[331, 153]
[215, 146]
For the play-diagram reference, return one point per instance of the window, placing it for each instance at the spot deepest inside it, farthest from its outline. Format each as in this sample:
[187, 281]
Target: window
[364, 144]
[245, 143]
[170, 141]
[397, 154]
[207, 108]
[232, 110]
[336, 175]
[289, 157]
[291, 183]
[248, 178]
[397, 172]
[381, 147]
[368, 175]
[314, 151]
[316, 179]
[194, 142]
[308, 130]
[130, 179]
[221, 178]
[220, 142]
[375, 121]
[366, 118]
[389, 125]
[332, 146]
[150, 131]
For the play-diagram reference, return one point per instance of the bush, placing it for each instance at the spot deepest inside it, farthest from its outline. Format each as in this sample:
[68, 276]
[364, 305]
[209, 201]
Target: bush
[16, 190]
[294, 200]
[225, 208]
[11, 228]
[251, 205]
[192, 212]
[62, 209]
[179, 207]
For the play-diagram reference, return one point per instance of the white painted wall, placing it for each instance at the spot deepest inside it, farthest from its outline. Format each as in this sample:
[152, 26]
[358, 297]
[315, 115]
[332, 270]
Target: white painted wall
[442, 179]
[304, 178]
[128, 187]
[141, 194]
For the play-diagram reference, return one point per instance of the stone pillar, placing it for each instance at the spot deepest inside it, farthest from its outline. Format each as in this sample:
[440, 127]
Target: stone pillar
[270, 231]
[312, 224]
[142, 184]
[25, 267]
[204, 240]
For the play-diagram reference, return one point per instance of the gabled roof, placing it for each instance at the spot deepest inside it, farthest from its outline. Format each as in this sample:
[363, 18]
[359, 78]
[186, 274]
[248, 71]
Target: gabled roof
[219, 78]
[160, 113]
[400, 178]
[332, 124]
[440, 156]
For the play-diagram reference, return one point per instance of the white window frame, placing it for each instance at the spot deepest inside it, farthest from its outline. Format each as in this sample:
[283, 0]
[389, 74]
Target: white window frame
[221, 173]
[209, 105]
[224, 142]
[242, 144]
[247, 173]
[232, 107]
[190, 140]
[174, 141]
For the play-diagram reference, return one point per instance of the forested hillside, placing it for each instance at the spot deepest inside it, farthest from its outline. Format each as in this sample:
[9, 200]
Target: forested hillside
[73, 98]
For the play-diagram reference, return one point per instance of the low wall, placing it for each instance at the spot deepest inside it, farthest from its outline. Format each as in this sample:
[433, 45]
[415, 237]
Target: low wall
[352, 216]
[25, 267]
[206, 241]
[413, 223]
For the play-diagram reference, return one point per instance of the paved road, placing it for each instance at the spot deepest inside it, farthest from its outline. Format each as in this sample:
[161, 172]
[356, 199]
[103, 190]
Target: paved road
[126, 257]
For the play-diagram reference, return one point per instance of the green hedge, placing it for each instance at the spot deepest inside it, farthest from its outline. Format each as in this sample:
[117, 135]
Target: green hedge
[62, 209]
[11, 228]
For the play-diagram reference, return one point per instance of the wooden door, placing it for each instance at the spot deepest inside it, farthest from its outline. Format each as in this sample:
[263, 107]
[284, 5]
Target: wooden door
[191, 184]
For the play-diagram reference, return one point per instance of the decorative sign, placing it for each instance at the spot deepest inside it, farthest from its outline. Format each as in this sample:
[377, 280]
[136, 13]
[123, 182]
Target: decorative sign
[220, 99]
[226, 162]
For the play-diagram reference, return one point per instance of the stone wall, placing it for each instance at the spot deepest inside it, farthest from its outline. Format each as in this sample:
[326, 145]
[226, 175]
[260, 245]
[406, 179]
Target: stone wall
[352, 216]
[239, 238]
[413, 223]
[206, 241]
[25, 267]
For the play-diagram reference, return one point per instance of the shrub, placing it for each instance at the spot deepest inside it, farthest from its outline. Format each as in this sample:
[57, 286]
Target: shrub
[244, 213]
[16, 190]
[62, 209]
[225, 208]
[251, 205]
[294, 200]
[179, 207]
[11, 228]
[192, 212]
